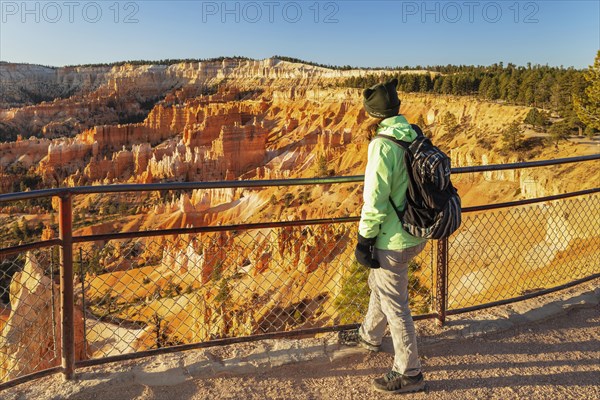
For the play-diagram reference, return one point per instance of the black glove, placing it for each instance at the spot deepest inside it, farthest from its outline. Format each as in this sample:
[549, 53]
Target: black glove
[364, 252]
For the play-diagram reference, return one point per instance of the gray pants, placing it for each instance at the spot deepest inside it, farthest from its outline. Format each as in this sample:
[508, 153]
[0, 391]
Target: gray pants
[389, 304]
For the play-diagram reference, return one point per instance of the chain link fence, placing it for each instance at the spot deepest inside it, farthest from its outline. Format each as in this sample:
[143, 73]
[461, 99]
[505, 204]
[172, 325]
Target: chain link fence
[150, 293]
[160, 290]
[498, 255]
[29, 312]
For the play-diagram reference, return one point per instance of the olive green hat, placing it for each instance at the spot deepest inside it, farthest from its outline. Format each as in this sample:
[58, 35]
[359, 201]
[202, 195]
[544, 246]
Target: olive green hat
[381, 100]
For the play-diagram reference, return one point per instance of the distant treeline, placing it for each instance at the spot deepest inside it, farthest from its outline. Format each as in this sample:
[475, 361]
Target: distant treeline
[540, 86]
[329, 66]
[168, 61]
[172, 61]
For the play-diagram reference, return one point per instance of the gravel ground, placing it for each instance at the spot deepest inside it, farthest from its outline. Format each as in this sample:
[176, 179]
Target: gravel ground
[556, 358]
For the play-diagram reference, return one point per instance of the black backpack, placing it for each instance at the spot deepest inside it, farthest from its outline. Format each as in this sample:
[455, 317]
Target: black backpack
[432, 204]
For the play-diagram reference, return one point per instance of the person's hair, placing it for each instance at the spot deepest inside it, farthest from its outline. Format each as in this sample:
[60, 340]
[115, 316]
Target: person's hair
[372, 128]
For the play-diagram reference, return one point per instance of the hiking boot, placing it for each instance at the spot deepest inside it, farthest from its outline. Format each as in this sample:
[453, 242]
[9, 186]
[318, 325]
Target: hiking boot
[395, 382]
[352, 338]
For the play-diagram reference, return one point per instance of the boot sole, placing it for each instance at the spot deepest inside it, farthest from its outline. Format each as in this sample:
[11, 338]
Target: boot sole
[369, 346]
[358, 343]
[411, 389]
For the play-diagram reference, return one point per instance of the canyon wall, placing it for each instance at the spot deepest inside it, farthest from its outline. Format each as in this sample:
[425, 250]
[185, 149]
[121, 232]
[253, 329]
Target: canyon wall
[226, 120]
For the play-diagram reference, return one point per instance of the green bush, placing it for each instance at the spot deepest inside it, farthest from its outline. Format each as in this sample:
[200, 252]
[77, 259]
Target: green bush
[353, 300]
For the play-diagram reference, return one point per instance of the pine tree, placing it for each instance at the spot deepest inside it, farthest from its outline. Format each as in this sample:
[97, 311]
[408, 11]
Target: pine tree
[447, 85]
[410, 83]
[559, 131]
[484, 86]
[424, 83]
[449, 121]
[322, 165]
[493, 91]
[512, 136]
[587, 105]
[512, 88]
[544, 90]
[437, 84]
[536, 118]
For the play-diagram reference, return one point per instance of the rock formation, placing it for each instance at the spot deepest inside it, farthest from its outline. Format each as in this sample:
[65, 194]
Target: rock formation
[225, 120]
[31, 338]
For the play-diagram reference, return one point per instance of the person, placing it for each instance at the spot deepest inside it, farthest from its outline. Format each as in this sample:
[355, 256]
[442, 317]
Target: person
[385, 247]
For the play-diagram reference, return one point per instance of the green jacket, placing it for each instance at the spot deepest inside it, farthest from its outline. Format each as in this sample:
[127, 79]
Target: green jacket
[386, 175]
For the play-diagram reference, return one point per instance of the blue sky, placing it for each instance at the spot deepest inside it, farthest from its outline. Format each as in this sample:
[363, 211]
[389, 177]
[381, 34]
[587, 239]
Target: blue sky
[358, 33]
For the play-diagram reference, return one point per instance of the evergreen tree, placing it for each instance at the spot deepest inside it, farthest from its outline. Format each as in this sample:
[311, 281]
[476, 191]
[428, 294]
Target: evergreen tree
[484, 86]
[560, 96]
[527, 89]
[589, 132]
[413, 83]
[437, 84]
[447, 85]
[17, 232]
[512, 136]
[425, 84]
[322, 165]
[536, 118]
[559, 131]
[512, 88]
[493, 91]
[449, 121]
[461, 85]
[537, 86]
[587, 105]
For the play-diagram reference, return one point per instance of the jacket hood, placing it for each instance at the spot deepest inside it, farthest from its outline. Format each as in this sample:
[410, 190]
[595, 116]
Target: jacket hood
[397, 127]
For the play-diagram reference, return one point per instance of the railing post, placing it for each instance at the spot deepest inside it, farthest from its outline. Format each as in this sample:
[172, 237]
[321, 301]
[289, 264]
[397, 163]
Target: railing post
[65, 228]
[441, 287]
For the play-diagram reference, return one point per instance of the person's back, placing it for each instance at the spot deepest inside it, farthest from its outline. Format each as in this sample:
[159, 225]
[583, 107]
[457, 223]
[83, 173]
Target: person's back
[385, 247]
[385, 173]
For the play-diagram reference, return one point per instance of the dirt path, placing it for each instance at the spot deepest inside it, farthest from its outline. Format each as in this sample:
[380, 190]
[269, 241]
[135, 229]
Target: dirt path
[557, 358]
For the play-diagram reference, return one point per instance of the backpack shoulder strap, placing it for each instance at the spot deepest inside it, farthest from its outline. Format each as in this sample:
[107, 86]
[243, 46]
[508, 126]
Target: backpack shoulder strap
[401, 143]
[408, 157]
[405, 145]
[417, 129]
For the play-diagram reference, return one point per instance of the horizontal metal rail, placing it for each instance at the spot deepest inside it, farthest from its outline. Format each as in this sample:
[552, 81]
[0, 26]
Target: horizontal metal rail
[29, 246]
[264, 225]
[262, 183]
[283, 224]
[206, 229]
[149, 187]
[521, 165]
[33, 194]
[30, 377]
[228, 341]
[487, 207]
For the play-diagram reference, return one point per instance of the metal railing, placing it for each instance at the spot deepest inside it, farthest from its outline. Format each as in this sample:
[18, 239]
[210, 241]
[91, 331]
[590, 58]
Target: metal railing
[131, 294]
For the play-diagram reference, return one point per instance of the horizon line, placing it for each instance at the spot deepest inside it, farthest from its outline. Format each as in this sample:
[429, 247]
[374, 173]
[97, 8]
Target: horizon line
[171, 61]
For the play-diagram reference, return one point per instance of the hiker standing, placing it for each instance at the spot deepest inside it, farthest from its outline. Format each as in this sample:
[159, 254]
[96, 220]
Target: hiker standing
[385, 247]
